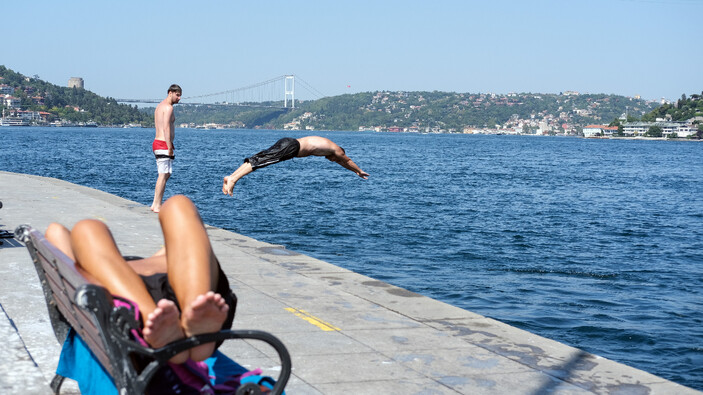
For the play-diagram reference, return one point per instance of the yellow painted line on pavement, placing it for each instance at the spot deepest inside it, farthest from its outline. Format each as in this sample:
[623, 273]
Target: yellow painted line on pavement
[325, 326]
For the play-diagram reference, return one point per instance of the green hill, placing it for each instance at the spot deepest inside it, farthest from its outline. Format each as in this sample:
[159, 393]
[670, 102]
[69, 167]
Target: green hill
[683, 110]
[420, 111]
[437, 111]
[70, 104]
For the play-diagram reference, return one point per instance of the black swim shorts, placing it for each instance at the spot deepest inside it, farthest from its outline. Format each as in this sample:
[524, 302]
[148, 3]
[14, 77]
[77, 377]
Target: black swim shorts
[284, 149]
[159, 288]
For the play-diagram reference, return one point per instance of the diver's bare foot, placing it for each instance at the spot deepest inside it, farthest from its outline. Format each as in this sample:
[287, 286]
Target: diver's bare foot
[155, 209]
[163, 326]
[204, 315]
[228, 185]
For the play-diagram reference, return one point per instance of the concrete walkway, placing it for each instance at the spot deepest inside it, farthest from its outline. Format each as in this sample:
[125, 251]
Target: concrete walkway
[346, 333]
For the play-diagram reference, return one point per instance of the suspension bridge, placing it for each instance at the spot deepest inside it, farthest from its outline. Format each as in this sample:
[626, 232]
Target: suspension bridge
[275, 93]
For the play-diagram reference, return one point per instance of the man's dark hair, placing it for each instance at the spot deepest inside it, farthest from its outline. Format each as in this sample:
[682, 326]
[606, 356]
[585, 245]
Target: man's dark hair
[174, 88]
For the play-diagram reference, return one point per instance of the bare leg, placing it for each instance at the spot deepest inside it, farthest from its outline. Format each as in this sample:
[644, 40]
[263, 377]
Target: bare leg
[159, 191]
[60, 237]
[229, 181]
[97, 253]
[192, 271]
[151, 265]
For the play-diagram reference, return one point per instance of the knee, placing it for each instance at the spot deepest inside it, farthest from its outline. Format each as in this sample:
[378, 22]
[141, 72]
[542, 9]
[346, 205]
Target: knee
[177, 204]
[87, 227]
[55, 231]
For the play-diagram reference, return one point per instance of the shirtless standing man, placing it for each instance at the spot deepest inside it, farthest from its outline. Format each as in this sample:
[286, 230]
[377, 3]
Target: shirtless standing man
[164, 121]
[289, 148]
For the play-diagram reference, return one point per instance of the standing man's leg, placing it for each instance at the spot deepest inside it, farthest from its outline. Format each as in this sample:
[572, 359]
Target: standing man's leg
[193, 271]
[164, 167]
[159, 191]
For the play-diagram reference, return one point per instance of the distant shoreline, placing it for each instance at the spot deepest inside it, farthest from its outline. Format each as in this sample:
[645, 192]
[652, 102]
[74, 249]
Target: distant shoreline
[642, 138]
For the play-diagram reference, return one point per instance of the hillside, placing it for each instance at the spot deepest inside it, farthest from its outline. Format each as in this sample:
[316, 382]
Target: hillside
[565, 113]
[430, 111]
[69, 104]
[683, 110]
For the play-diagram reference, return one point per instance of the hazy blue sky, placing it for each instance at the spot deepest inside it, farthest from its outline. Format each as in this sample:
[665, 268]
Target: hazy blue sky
[136, 49]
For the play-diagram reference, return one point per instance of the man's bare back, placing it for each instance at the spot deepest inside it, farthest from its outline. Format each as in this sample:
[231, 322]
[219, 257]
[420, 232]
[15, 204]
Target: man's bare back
[318, 146]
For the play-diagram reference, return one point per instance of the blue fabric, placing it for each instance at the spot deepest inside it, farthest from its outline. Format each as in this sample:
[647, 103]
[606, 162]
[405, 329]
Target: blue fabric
[78, 363]
[222, 367]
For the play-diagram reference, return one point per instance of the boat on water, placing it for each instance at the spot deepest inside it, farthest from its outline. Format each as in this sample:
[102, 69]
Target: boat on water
[13, 121]
[61, 124]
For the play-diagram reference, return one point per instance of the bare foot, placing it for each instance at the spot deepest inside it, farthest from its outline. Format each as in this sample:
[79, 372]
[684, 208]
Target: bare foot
[228, 185]
[163, 326]
[204, 315]
[155, 209]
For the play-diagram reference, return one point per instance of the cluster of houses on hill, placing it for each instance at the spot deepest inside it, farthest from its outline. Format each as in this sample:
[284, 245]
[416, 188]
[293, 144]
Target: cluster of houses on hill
[13, 115]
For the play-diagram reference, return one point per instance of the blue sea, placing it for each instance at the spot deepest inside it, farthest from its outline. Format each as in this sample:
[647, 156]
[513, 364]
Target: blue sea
[595, 243]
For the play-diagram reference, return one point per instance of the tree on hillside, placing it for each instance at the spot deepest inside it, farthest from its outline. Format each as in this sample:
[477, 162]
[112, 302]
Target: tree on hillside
[654, 131]
[684, 109]
[616, 122]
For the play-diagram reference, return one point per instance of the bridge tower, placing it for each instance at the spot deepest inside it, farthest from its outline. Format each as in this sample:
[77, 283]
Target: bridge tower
[289, 91]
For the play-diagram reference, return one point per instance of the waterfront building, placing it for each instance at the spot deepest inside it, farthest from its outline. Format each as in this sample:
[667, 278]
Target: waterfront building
[599, 130]
[680, 129]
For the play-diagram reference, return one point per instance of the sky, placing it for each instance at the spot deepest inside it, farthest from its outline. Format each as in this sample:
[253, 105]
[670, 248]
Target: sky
[136, 49]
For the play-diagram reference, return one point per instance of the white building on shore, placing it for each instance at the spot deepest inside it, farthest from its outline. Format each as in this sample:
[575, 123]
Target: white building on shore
[599, 131]
[680, 129]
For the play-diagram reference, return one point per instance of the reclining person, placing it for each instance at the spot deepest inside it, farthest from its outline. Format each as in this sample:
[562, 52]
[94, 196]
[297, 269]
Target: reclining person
[180, 291]
[289, 148]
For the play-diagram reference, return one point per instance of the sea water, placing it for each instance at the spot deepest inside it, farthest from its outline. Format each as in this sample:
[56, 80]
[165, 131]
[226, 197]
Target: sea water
[594, 243]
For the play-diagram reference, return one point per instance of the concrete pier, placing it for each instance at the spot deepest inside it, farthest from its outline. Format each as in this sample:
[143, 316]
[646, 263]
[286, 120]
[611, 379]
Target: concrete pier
[346, 333]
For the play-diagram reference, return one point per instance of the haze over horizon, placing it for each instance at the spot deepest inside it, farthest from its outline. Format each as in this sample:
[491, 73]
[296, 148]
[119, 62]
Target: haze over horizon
[132, 49]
